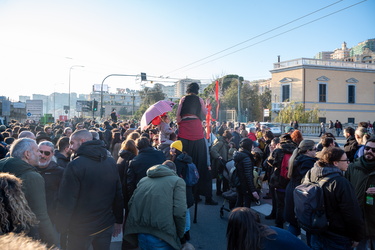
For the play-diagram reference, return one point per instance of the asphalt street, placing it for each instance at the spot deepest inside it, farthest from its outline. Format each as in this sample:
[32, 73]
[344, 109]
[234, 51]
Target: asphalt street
[209, 231]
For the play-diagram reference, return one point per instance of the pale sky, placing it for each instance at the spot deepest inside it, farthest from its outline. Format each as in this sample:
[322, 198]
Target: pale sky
[41, 40]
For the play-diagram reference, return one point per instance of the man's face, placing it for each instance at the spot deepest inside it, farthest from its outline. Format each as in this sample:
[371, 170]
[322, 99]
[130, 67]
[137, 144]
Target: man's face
[74, 144]
[69, 132]
[49, 131]
[34, 156]
[45, 157]
[369, 152]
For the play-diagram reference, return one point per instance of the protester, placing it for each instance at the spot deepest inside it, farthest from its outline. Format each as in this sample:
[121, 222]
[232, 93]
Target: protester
[361, 174]
[190, 113]
[15, 214]
[62, 153]
[90, 205]
[302, 160]
[157, 210]
[277, 180]
[115, 146]
[346, 225]
[24, 157]
[52, 174]
[245, 231]
[219, 155]
[351, 144]
[244, 163]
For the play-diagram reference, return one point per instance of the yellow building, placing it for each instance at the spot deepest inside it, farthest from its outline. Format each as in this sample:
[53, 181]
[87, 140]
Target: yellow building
[343, 91]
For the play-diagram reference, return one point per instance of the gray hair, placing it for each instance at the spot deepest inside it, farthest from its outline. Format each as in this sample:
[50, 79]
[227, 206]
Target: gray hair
[20, 146]
[26, 134]
[252, 130]
[48, 144]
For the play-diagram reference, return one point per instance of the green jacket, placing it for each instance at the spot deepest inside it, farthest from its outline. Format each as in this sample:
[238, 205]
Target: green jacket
[33, 187]
[361, 174]
[158, 207]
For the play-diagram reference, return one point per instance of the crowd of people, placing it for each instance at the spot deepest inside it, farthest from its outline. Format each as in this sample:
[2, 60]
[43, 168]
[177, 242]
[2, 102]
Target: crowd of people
[76, 184]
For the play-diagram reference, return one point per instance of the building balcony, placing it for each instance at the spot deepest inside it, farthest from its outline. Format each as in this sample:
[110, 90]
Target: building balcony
[322, 63]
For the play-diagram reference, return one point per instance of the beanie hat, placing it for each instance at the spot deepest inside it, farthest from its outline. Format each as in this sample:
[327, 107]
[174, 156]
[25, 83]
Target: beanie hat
[177, 145]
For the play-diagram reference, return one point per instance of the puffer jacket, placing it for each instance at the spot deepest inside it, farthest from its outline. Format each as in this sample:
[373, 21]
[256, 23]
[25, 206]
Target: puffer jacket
[342, 208]
[158, 207]
[361, 174]
[244, 163]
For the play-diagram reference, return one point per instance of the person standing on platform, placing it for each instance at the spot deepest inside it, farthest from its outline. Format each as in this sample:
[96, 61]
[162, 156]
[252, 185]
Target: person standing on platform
[190, 114]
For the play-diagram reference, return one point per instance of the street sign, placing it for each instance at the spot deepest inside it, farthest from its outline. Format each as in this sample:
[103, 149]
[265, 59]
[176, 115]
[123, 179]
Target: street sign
[266, 113]
[28, 114]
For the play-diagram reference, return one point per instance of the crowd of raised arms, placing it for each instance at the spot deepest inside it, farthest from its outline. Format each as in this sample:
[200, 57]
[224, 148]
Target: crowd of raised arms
[75, 184]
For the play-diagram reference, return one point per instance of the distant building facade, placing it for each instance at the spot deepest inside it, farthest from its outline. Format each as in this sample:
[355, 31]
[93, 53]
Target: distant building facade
[342, 91]
[181, 86]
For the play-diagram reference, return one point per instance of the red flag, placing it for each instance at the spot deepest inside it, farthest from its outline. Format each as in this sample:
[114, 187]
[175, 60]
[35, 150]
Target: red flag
[208, 121]
[217, 99]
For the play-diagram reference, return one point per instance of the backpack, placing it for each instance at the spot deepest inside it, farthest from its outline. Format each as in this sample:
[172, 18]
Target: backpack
[309, 205]
[285, 166]
[192, 175]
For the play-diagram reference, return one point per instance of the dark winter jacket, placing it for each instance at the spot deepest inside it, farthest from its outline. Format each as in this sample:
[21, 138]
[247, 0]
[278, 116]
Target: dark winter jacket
[219, 148]
[342, 209]
[33, 187]
[146, 158]
[276, 158]
[61, 160]
[90, 197]
[361, 174]
[244, 163]
[301, 165]
[52, 176]
[236, 139]
[351, 147]
[181, 162]
[122, 167]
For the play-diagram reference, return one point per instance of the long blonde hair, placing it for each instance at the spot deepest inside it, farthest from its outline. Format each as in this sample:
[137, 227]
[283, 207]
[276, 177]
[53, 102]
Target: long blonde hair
[303, 147]
[15, 213]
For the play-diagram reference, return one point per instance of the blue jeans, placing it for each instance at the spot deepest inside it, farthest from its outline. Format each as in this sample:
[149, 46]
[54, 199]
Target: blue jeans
[363, 244]
[187, 225]
[329, 241]
[149, 242]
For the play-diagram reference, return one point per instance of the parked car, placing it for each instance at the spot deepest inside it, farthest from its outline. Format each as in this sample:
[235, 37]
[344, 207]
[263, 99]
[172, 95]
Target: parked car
[274, 127]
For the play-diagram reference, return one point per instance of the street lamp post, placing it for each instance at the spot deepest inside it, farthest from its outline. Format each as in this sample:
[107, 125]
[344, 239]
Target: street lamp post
[143, 78]
[239, 102]
[70, 72]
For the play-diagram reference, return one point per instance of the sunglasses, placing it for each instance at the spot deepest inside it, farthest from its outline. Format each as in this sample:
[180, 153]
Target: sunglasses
[46, 153]
[155, 139]
[347, 160]
[367, 148]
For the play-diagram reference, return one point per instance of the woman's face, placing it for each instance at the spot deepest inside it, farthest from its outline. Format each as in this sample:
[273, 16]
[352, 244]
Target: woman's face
[343, 163]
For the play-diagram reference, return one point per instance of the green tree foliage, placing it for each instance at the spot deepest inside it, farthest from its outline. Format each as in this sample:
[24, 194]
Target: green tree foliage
[149, 96]
[296, 112]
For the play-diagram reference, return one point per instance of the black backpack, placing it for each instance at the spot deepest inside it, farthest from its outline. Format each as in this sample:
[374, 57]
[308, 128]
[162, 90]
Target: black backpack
[309, 204]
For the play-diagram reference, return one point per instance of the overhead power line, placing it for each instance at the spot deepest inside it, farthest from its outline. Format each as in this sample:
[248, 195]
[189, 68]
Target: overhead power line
[264, 33]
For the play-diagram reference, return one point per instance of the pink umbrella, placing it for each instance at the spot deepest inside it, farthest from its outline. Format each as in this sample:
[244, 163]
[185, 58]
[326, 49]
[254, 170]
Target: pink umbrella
[154, 111]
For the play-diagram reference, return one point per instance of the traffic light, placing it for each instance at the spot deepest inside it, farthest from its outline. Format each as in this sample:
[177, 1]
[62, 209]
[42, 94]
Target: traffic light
[94, 105]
